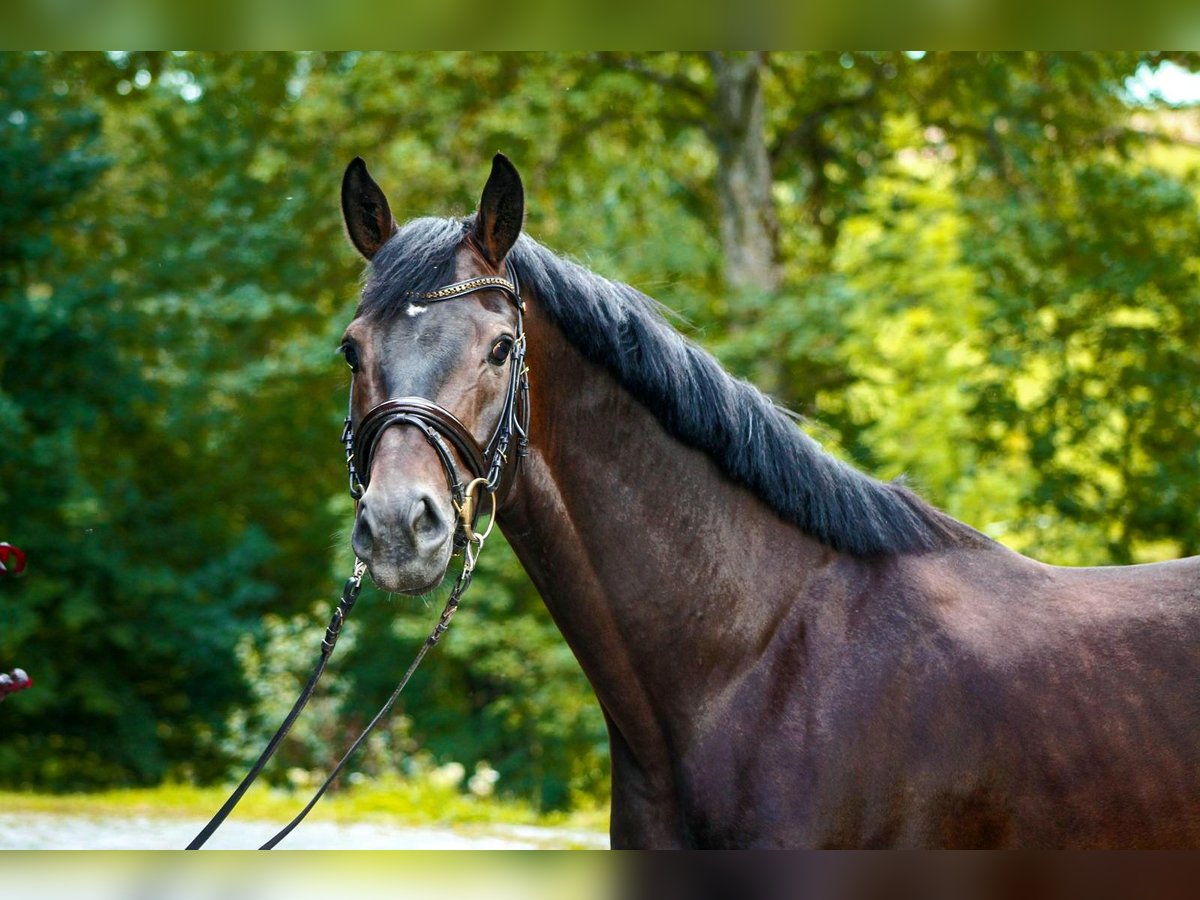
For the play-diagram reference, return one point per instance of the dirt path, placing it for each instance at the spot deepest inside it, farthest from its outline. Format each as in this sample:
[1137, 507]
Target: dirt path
[41, 831]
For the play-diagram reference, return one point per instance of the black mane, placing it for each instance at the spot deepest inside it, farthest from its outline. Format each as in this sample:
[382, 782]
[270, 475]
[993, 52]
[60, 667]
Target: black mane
[750, 438]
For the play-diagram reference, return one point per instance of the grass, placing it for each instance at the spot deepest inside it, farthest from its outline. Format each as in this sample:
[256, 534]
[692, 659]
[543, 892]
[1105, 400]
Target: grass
[390, 801]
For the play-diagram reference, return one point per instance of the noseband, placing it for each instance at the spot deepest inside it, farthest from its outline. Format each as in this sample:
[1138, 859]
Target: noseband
[488, 466]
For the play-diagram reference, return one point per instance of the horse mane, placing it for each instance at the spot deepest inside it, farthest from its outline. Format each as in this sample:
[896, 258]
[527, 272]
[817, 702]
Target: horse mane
[751, 439]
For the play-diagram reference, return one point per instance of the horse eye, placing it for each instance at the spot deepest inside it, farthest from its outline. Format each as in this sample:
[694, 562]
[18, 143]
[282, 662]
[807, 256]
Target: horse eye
[501, 347]
[351, 356]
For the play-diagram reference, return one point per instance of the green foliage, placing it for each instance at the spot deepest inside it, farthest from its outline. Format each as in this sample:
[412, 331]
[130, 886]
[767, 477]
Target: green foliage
[138, 583]
[989, 283]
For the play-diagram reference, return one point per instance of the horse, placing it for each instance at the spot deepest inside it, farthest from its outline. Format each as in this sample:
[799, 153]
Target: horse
[787, 652]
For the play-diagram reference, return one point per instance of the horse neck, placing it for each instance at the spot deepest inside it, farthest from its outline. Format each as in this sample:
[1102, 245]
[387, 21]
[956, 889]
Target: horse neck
[663, 576]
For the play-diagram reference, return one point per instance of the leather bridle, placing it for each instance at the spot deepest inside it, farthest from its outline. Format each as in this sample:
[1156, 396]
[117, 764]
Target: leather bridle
[491, 470]
[489, 466]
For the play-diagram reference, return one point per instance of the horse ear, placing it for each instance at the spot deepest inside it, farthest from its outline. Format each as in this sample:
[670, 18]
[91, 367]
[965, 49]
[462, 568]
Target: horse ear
[365, 210]
[501, 210]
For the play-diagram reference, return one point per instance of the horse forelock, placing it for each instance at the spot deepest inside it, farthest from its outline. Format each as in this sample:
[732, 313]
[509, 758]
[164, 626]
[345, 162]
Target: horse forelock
[419, 258]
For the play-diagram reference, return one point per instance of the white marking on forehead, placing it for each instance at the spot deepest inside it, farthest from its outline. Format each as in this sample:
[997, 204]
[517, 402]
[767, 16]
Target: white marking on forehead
[415, 309]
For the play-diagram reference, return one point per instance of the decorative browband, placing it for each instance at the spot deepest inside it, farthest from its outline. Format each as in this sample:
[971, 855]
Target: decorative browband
[473, 284]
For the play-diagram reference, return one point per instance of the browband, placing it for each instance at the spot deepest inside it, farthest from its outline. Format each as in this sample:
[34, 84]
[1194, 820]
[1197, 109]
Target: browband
[471, 285]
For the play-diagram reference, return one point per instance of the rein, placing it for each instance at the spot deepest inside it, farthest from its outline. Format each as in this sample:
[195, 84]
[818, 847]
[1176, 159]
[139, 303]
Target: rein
[490, 472]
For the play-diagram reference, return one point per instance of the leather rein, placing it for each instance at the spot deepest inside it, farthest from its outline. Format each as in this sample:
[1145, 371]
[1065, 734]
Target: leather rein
[491, 473]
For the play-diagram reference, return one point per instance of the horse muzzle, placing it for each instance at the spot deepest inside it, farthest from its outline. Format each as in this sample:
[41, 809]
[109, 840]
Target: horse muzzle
[405, 535]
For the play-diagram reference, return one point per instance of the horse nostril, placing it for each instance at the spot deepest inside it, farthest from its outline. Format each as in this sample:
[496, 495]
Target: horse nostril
[362, 534]
[425, 521]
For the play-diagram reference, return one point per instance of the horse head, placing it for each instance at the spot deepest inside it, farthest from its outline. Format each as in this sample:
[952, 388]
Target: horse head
[436, 350]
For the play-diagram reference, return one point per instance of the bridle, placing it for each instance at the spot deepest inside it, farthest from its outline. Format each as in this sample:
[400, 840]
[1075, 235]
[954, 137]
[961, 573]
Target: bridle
[492, 471]
[488, 465]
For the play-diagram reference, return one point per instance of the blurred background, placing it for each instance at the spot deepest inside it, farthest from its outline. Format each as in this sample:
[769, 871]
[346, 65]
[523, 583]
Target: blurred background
[978, 270]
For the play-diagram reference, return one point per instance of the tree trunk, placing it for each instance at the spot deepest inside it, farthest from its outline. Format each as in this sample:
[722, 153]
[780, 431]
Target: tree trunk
[749, 227]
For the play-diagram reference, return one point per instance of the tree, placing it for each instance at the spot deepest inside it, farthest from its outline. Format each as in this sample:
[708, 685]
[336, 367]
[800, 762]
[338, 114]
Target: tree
[90, 618]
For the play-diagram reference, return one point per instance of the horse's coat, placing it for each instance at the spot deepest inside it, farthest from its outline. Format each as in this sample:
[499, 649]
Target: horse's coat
[787, 652]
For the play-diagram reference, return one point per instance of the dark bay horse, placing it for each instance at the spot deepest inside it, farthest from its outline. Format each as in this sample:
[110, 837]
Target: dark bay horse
[788, 653]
